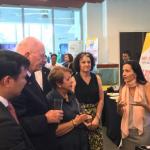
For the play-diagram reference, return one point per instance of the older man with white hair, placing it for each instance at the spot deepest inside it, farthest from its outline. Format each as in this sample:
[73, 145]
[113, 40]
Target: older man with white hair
[31, 106]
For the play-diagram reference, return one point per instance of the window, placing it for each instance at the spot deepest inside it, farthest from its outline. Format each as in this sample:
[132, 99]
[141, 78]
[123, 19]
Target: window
[38, 23]
[54, 27]
[10, 26]
[66, 28]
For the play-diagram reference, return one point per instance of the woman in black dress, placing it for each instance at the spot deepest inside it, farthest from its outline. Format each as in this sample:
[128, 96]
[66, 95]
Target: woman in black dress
[88, 89]
[71, 132]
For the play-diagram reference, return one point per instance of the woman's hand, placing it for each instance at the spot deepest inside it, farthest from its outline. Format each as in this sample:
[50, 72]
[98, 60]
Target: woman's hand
[94, 124]
[138, 104]
[121, 106]
[80, 119]
[122, 103]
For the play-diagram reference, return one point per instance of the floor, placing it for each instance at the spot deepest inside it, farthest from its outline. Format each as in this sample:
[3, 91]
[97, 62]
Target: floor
[108, 145]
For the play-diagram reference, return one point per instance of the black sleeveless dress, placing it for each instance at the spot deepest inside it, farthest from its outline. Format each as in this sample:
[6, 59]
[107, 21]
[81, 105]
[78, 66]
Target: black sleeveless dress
[88, 97]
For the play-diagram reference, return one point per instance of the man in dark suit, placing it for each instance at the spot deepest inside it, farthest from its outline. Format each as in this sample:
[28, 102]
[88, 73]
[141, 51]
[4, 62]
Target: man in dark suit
[12, 80]
[42, 78]
[46, 84]
[31, 106]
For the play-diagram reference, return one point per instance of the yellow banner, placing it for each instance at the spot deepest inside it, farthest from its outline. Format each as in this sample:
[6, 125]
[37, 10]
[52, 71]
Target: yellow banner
[92, 47]
[145, 57]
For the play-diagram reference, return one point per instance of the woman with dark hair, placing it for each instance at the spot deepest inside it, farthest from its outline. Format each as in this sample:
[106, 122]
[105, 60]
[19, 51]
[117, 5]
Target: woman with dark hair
[68, 61]
[88, 89]
[134, 104]
[68, 58]
[71, 132]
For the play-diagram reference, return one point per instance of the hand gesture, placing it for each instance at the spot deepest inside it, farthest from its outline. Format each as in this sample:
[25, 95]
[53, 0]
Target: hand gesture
[93, 124]
[80, 119]
[122, 103]
[54, 116]
[121, 106]
[138, 104]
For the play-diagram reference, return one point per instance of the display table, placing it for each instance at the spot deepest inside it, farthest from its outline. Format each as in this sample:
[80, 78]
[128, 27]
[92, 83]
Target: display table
[111, 119]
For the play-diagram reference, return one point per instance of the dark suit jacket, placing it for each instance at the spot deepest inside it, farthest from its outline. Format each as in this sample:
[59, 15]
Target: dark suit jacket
[31, 107]
[46, 84]
[12, 136]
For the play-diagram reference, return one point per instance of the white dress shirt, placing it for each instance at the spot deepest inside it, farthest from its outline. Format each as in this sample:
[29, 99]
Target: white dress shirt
[4, 101]
[39, 79]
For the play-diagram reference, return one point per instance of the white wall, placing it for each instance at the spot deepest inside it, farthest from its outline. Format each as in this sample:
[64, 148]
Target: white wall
[125, 16]
[107, 19]
[84, 23]
[92, 23]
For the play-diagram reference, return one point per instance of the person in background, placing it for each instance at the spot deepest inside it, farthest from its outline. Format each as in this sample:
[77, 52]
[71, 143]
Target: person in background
[31, 106]
[68, 59]
[13, 70]
[125, 56]
[68, 62]
[88, 90]
[134, 105]
[53, 63]
[71, 132]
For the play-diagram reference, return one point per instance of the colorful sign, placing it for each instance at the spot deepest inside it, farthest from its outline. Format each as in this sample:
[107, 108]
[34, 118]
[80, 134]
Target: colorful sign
[75, 47]
[145, 57]
[92, 47]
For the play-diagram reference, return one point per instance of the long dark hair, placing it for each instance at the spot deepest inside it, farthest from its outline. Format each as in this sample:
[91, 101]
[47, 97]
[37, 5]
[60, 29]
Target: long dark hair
[137, 70]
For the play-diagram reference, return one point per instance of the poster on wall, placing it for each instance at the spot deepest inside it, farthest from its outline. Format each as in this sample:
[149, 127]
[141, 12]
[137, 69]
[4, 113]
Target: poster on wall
[92, 47]
[145, 57]
[75, 47]
[8, 46]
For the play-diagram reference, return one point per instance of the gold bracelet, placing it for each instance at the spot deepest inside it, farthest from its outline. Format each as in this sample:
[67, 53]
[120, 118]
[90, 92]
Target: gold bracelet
[74, 123]
[98, 117]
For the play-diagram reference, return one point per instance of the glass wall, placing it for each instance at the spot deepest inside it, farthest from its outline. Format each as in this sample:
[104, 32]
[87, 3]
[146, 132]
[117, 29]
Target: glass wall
[67, 28]
[38, 23]
[11, 30]
[54, 27]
